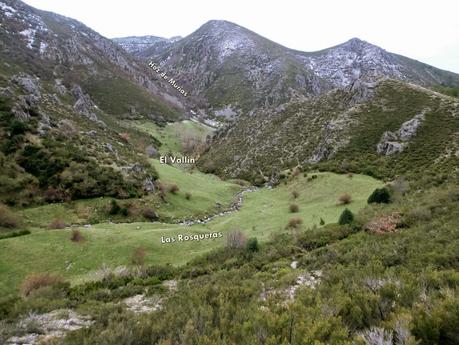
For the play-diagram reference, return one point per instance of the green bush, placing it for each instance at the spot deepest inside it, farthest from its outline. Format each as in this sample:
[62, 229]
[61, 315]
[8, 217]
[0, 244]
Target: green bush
[114, 208]
[379, 196]
[347, 217]
[252, 245]
[15, 234]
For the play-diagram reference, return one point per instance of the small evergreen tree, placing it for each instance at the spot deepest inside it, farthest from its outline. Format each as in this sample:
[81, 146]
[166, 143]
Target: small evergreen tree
[379, 195]
[322, 222]
[252, 245]
[347, 217]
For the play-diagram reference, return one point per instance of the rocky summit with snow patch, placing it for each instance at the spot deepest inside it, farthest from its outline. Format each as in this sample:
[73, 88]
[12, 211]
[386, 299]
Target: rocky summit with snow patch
[232, 69]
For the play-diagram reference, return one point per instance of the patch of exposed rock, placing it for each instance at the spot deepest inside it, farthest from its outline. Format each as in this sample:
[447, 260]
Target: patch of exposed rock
[305, 279]
[395, 142]
[39, 327]
[140, 304]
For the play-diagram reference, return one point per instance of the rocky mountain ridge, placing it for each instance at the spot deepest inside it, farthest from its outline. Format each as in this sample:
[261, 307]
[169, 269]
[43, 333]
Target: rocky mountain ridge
[237, 70]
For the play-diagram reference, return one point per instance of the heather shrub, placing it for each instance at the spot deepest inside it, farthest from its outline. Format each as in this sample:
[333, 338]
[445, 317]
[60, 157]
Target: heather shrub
[344, 199]
[294, 223]
[235, 239]
[187, 195]
[138, 256]
[173, 188]
[7, 218]
[57, 224]
[295, 194]
[38, 280]
[149, 214]
[293, 208]
[161, 190]
[77, 236]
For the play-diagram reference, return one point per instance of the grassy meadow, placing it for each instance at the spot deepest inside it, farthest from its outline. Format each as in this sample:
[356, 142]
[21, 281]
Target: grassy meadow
[263, 212]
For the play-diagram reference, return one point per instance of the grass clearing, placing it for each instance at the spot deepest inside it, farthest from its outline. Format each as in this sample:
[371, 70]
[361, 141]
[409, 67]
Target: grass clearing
[172, 135]
[263, 212]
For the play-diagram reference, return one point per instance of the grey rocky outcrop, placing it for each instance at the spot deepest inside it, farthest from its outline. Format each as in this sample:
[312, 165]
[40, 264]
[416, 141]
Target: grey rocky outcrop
[83, 104]
[395, 142]
[31, 85]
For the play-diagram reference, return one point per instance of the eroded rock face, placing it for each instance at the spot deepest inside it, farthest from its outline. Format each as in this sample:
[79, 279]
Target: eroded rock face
[395, 142]
[83, 104]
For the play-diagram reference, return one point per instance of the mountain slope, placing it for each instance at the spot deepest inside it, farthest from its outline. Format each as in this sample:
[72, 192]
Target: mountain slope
[55, 47]
[236, 70]
[359, 59]
[63, 88]
[384, 129]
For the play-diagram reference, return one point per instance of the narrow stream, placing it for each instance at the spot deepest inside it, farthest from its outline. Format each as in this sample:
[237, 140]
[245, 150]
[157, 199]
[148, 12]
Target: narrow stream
[235, 206]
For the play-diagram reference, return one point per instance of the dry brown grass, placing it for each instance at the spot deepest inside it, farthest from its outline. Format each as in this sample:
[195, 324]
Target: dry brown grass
[36, 281]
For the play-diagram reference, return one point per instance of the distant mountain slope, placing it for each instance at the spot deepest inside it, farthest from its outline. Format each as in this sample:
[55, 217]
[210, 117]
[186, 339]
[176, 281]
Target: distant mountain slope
[53, 47]
[359, 59]
[236, 70]
[382, 129]
[145, 46]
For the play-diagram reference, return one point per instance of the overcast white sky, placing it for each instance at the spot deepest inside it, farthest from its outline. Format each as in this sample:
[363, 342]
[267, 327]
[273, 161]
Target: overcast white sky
[424, 30]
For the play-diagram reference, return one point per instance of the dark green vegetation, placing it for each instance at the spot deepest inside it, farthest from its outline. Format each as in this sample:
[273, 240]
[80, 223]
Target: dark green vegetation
[42, 169]
[402, 285]
[379, 195]
[340, 131]
[123, 98]
[449, 91]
